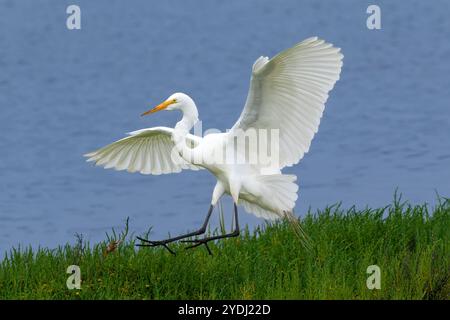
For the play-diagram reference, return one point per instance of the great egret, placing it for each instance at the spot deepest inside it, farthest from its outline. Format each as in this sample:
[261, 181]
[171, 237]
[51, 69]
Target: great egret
[287, 95]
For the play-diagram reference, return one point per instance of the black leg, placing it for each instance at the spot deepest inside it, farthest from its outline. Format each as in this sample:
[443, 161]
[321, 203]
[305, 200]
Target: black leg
[198, 242]
[149, 243]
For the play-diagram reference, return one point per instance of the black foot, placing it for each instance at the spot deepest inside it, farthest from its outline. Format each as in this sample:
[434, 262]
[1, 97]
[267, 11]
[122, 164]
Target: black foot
[164, 243]
[199, 242]
[196, 242]
[149, 243]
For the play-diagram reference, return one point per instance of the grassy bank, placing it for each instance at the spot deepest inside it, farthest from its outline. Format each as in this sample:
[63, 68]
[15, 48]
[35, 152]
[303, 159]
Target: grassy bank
[410, 244]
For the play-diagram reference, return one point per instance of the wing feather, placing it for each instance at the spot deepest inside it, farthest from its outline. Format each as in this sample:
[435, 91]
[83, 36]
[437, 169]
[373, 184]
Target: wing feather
[147, 151]
[289, 92]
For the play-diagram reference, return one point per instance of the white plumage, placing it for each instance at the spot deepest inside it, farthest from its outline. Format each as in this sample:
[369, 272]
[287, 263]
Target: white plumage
[287, 92]
[147, 151]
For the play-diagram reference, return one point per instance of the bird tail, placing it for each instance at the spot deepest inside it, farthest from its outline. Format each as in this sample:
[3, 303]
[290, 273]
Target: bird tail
[283, 194]
[281, 189]
[296, 226]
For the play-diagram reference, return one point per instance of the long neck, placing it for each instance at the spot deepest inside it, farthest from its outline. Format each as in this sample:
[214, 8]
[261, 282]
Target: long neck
[182, 128]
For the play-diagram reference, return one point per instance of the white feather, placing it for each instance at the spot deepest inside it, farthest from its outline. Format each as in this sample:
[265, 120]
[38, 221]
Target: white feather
[147, 151]
[288, 92]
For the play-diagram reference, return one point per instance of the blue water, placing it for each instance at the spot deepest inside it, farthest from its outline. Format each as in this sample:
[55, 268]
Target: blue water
[64, 93]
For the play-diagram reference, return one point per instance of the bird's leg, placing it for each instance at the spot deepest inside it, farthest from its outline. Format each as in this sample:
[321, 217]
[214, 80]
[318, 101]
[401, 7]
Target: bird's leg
[198, 242]
[149, 243]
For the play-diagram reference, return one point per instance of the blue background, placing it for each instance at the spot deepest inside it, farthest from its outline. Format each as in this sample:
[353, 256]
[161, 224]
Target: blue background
[64, 93]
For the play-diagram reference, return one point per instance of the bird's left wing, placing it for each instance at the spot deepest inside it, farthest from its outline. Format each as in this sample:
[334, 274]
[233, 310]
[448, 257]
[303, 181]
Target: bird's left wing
[288, 93]
[148, 151]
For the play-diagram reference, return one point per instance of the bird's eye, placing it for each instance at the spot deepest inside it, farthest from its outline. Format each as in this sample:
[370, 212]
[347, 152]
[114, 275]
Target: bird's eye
[174, 100]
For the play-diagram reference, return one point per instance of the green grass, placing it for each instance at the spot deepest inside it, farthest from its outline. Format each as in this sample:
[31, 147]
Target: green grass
[410, 244]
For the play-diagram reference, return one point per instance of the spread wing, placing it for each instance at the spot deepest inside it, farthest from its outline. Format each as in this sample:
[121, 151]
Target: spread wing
[148, 151]
[288, 92]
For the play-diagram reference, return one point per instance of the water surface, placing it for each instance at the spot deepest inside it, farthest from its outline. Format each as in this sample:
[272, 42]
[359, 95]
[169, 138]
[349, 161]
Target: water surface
[63, 93]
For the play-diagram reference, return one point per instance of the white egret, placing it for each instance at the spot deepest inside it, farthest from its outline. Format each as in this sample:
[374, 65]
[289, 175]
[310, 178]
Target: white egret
[287, 93]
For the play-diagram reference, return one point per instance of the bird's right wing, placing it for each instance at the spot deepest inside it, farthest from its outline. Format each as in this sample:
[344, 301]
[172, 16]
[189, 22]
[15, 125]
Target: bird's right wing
[148, 151]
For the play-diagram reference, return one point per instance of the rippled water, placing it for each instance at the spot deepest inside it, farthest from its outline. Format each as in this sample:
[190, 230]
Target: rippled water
[63, 93]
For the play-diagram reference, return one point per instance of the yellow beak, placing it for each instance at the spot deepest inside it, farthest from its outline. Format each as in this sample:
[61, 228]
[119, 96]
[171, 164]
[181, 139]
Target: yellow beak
[159, 107]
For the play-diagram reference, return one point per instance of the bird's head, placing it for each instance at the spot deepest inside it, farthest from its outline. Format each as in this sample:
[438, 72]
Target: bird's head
[177, 101]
